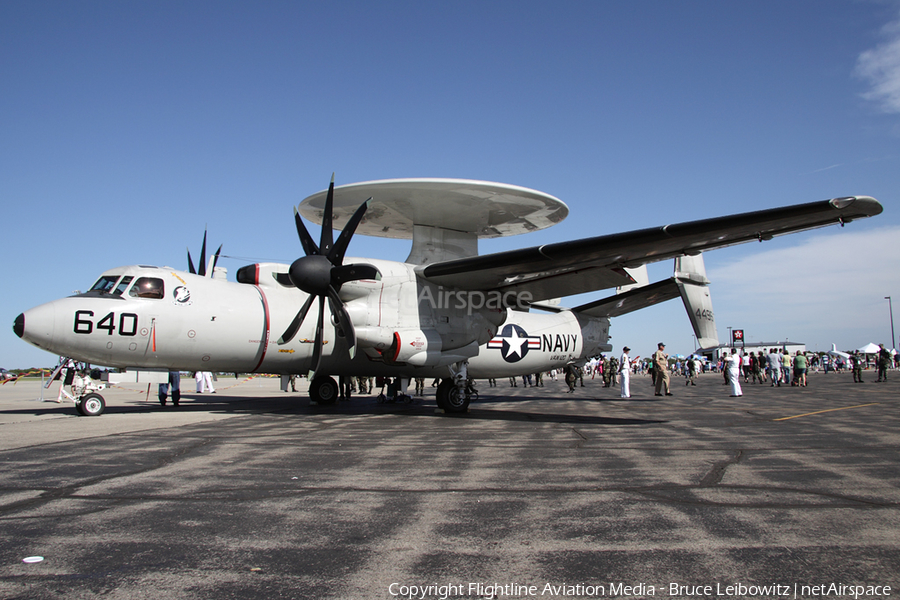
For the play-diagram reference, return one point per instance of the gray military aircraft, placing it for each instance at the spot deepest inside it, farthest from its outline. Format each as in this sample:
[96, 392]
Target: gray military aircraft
[446, 311]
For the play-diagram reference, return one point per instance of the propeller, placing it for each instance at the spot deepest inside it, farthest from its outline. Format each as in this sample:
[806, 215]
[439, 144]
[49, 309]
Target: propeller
[321, 273]
[202, 270]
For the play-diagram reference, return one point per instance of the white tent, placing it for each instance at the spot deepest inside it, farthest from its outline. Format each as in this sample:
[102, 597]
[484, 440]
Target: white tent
[870, 348]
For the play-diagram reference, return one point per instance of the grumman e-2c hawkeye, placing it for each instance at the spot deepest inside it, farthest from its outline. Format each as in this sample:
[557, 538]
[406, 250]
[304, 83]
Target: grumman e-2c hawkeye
[444, 312]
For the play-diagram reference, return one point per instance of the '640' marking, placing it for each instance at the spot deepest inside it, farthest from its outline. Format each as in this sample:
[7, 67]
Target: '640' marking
[127, 324]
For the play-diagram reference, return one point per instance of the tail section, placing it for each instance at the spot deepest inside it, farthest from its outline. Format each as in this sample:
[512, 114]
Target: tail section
[690, 277]
[689, 282]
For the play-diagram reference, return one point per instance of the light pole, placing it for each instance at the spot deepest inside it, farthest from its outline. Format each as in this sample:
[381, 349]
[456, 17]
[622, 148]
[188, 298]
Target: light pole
[891, 308]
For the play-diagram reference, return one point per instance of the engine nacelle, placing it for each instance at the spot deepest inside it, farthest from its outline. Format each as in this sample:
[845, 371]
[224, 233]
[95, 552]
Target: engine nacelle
[415, 347]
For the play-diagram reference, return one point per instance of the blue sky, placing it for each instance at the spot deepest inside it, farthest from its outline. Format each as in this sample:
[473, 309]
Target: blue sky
[128, 127]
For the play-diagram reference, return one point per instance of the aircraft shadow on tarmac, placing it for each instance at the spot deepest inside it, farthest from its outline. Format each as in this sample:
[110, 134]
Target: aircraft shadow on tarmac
[358, 405]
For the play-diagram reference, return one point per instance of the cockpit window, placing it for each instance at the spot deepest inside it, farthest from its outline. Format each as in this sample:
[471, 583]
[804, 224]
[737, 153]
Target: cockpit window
[104, 285]
[122, 285]
[148, 287]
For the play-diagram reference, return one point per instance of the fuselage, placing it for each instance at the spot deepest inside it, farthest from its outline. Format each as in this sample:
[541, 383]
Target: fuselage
[160, 318]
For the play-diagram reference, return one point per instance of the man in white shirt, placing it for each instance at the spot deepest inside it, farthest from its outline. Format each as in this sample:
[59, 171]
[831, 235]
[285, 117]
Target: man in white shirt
[774, 362]
[625, 372]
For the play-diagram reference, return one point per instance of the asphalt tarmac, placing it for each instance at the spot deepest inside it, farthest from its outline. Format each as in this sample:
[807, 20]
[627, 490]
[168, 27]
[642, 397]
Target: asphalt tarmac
[256, 493]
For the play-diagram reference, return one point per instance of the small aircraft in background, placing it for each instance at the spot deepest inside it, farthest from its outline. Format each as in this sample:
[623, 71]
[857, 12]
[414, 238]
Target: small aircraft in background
[445, 311]
[838, 354]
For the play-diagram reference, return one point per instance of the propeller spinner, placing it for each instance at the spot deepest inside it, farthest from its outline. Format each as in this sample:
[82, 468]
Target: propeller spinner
[321, 273]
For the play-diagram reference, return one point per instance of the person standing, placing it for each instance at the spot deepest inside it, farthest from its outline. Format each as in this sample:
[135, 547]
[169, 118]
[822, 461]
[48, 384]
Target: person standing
[884, 360]
[625, 372]
[801, 365]
[774, 361]
[692, 369]
[174, 385]
[733, 370]
[756, 367]
[787, 370]
[857, 364]
[661, 370]
[345, 385]
[204, 382]
[571, 375]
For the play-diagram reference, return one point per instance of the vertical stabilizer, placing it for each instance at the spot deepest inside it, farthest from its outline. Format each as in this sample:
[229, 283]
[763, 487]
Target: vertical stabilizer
[690, 276]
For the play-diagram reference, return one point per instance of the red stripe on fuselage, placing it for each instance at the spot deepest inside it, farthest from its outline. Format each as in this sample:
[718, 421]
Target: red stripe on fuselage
[265, 337]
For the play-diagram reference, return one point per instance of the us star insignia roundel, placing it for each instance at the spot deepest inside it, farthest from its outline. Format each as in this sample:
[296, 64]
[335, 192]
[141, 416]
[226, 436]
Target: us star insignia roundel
[514, 343]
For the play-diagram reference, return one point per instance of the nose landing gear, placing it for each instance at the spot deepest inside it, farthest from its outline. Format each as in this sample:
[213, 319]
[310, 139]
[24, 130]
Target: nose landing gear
[84, 387]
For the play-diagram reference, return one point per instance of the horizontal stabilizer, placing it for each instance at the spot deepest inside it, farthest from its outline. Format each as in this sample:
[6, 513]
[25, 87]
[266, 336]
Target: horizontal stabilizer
[632, 300]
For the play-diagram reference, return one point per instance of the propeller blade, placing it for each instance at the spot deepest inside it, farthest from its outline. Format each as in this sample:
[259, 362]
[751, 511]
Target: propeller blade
[353, 272]
[309, 246]
[343, 317]
[191, 268]
[201, 270]
[317, 347]
[336, 256]
[327, 232]
[292, 329]
[212, 269]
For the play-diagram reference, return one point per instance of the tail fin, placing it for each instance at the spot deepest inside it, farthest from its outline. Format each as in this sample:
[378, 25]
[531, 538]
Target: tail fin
[690, 277]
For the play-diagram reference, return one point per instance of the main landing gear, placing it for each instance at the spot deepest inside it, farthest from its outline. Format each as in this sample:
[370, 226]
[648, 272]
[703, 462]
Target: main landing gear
[455, 394]
[323, 390]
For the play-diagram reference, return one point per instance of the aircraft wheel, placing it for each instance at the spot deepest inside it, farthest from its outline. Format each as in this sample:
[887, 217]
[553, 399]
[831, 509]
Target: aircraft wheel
[449, 398]
[323, 390]
[91, 405]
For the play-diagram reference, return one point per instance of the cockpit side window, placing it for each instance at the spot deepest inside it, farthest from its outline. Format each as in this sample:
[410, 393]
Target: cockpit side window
[148, 287]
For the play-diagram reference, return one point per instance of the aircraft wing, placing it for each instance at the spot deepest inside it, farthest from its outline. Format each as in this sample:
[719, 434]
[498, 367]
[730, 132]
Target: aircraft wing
[590, 264]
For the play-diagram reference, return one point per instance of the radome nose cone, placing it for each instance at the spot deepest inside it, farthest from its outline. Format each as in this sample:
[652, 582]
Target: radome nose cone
[37, 327]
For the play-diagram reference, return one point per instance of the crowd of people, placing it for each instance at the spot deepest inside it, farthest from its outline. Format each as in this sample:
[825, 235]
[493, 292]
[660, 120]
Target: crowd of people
[774, 367]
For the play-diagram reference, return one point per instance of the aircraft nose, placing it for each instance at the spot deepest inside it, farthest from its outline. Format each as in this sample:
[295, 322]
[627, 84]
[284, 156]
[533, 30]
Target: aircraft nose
[19, 325]
[36, 325]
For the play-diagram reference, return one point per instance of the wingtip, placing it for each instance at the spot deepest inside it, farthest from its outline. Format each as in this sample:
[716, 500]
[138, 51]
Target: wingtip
[864, 205]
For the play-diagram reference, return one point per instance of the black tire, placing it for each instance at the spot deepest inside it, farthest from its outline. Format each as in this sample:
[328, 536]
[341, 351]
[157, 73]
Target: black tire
[323, 390]
[91, 405]
[449, 398]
